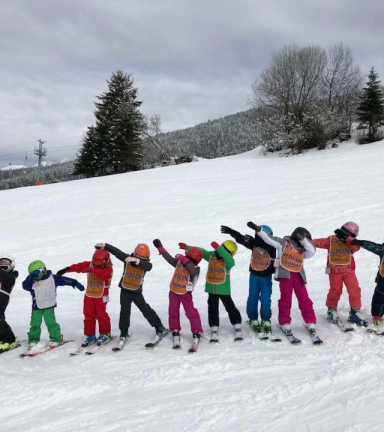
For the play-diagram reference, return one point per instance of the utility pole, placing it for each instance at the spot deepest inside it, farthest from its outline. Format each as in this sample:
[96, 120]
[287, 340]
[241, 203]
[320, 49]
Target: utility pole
[41, 151]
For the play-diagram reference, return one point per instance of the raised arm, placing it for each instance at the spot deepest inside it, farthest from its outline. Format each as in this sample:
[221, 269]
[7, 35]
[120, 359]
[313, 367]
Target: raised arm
[377, 249]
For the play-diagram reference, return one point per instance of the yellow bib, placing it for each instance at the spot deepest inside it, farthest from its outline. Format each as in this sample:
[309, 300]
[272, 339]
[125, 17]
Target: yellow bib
[133, 277]
[339, 252]
[180, 279]
[95, 286]
[292, 258]
[216, 271]
[260, 259]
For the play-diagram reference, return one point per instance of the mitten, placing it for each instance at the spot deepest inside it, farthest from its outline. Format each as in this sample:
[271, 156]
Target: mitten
[182, 245]
[99, 245]
[226, 230]
[157, 243]
[62, 271]
[79, 286]
[253, 226]
[215, 245]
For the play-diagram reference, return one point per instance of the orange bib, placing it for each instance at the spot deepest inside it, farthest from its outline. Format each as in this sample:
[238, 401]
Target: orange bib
[339, 252]
[291, 258]
[216, 271]
[95, 286]
[133, 277]
[382, 267]
[180, 279]
[260, 259]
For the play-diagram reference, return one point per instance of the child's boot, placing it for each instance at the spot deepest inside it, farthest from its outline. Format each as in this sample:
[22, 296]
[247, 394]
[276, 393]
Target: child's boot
[104, 338]
[195, 342]
[161, 331]
[255, 325]
[356, 317]
[333, 315]
[88, 340]
[214, 334]
[238, 332]
[176, 339]
[266, 326]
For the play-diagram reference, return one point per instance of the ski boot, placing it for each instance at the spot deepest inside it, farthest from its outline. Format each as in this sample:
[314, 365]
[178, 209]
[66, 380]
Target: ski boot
[255, 325]
[8, 346]
[103, 338]
[88, 340]
[214, 334]
[161, 331]
[195, 342]
[332, 315]
[176, 339]
[266, 326]
[53, 344]
[238, 332]
[356, 317]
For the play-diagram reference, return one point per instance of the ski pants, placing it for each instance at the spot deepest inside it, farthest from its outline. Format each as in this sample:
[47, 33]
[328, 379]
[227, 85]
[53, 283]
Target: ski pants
[377, 308]
[336, 281]
[287, 286]
[50, 321]
[126, 299]
[6, 333]
[96, 309]
[260, 288]
[213, 309]
[190, 311]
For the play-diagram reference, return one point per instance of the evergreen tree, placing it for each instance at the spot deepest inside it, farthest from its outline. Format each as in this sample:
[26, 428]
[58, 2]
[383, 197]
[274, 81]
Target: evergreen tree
[371, 108]
[113, 145]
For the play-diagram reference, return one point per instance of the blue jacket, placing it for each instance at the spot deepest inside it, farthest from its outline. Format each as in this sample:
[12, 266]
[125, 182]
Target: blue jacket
[59, 281]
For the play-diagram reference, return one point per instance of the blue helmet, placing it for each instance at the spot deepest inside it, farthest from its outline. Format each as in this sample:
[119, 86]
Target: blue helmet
[267, 229]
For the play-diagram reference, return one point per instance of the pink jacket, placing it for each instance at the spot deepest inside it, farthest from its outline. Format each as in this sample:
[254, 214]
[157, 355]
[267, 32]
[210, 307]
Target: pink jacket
[325, 243]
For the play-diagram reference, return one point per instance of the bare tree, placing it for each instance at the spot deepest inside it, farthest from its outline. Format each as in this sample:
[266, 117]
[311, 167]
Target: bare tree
[151, 132]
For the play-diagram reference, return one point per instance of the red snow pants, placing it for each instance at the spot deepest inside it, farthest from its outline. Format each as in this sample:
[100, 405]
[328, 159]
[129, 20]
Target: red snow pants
[287, 286]
[95, 309]
[336, 281]
[190, 311]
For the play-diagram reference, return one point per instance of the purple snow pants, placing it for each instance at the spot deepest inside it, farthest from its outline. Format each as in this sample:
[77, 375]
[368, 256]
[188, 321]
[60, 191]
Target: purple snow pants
[287, 286]
[190, 311]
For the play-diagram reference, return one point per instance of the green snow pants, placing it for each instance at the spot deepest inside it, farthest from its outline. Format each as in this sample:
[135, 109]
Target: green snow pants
[50, 321]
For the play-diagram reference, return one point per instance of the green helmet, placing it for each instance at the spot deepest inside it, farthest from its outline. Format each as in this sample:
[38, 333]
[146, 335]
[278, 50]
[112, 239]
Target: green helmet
[36, 265]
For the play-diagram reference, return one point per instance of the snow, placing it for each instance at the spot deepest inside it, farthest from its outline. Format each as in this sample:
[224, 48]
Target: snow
[13, 167]
[247, 386]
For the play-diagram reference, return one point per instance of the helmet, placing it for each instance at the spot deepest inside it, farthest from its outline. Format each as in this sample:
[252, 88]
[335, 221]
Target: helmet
[37, 269]
[100, 258]
[231, 246]
[7, 263]
[302, 231]
[267, 229]
[194, 254]
[351, 228]
[142, 250]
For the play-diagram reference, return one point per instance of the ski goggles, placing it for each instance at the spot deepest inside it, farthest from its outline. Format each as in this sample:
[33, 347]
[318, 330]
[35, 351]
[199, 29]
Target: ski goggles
[37, 273]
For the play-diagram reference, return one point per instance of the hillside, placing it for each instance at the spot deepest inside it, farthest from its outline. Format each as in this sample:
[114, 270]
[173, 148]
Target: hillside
[243, 387]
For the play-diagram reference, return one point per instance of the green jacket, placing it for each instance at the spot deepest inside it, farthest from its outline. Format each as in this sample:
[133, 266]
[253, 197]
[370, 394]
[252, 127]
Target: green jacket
[221, 253]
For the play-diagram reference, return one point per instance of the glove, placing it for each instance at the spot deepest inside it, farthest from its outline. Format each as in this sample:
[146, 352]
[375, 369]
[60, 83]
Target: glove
[157, 243]
[79, 286]
[62, 271]
[300, 237]
[226, 230]
[182, 245]
[340, 234]
[185, 260]
[132, 260]
[253, 226]
[215, 245]
[99, 245]
[248, 238]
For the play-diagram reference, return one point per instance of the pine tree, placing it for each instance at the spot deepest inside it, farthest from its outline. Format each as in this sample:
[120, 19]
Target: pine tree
[114, 143]
[371, 108]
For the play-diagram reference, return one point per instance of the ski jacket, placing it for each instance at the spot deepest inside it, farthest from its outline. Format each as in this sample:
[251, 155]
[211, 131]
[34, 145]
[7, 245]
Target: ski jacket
[102, 273]
[325, 243]
[377, 249]
[59, 281]
[193, 270]
[7, 282]
[256, 242]
[279, 243]
[224, 258]
[144, 264]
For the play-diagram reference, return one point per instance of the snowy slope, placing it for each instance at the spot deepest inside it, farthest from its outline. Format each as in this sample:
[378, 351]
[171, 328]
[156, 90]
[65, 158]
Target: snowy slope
[251, 386]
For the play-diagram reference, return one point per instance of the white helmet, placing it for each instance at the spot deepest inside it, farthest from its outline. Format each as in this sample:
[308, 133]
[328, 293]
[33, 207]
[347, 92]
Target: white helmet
[10, 259]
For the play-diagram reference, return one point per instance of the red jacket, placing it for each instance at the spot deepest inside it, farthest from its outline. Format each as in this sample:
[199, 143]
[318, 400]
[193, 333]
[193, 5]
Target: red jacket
[103, 273]
[325, 243]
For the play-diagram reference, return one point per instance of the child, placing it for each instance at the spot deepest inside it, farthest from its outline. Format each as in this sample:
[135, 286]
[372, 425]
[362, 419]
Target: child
[218, 285]
[377, 308]
[8, 276]
[136, 265]
[99, 276]
[42, 284]
[341, 269]
[292, 250]
[182, 284]
[261, 269]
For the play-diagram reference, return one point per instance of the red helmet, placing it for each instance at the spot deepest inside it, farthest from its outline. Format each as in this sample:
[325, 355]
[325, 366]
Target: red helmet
[195, 254]
[100, 258]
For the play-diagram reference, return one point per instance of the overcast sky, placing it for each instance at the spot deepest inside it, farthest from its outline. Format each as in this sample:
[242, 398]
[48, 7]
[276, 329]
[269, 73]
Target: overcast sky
[191, 60]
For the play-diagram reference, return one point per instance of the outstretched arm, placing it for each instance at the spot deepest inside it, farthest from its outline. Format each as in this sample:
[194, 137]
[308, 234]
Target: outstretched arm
[377, 249]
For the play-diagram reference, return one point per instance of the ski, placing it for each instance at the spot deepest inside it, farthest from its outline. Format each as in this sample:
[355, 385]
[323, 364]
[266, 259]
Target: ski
[314, 336]
[81, 349]
[288, 333]
[259, 332]
[17, 345]
[238, 338]
[121, 343]
[157, 339]
[270, 336]
[98, 346]
[47, 348]
[343, 327]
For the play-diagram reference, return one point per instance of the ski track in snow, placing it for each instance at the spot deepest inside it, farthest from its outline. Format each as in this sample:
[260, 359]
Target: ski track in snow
[231, 386]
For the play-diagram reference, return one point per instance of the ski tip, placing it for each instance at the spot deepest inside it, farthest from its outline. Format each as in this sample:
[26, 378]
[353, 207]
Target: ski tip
[149, 345]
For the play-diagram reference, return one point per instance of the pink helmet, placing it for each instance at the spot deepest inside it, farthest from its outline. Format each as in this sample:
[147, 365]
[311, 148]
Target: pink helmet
[352, 228]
